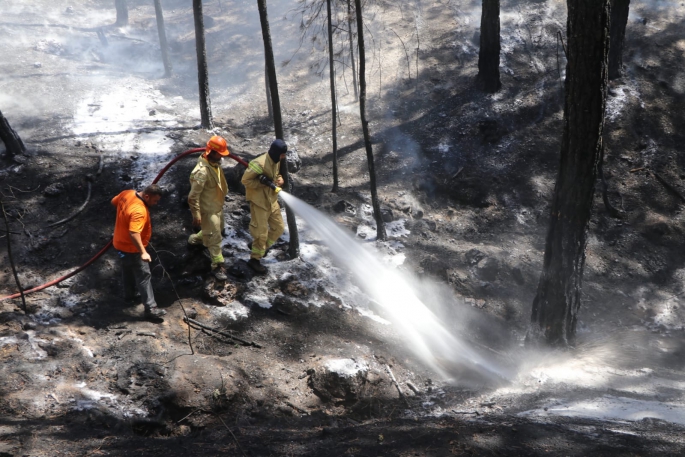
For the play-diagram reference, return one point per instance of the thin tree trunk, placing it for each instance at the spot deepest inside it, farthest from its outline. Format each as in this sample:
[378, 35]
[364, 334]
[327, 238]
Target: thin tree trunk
[619, 20]
[331, 65]
[294, 245]
[269, 103]
[350, 22]
[122, 13]
[380, 225]
[11, 259]
[556, 305]
[488, 57]
[161, 31]
[202, 74]
[13, 144]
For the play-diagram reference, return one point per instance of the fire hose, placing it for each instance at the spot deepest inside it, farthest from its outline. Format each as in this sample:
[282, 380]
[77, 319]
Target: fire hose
[254, 167]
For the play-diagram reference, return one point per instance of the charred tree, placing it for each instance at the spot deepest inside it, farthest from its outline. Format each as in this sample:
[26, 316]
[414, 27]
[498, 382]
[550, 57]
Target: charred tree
[488, 57]
[122, 13]
[13, 144]
[294, 246]
[556, 304]
[350, 22]
[380, 225]
[619, 21]
[202, 74]
[161, 31]
[334, 125]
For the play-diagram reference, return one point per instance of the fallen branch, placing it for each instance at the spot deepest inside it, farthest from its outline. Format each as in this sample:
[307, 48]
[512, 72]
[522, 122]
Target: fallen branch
[190, 321]
[392, 376]
[146, 334]
[413, 387]
[637, 169]
[76, 213]
[668, 186]
[9, 254]
[465, 412]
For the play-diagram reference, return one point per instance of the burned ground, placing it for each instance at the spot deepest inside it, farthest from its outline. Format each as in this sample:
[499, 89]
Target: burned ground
[467, 176]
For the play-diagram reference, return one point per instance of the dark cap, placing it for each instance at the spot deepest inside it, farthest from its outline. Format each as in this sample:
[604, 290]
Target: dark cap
[277, 148]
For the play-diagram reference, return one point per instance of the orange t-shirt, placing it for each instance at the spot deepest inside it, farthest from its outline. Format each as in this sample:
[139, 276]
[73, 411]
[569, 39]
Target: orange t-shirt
[132, 216]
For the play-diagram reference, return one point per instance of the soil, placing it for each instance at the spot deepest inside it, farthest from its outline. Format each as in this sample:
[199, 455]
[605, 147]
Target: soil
[466, 177]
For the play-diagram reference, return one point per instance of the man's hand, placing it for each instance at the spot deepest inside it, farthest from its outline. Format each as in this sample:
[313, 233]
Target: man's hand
[145, 257]
[279, 181]
[197, 222]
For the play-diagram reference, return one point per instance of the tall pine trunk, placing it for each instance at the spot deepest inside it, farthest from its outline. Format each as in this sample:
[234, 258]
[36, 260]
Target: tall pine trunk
[334, 124]
[380, 225]
[122, 13]
[294, 246]
[350, 22]
[13, 144]
[619, 21]
[161, 31]
[556, 305]
[202, 74]
[488, 57]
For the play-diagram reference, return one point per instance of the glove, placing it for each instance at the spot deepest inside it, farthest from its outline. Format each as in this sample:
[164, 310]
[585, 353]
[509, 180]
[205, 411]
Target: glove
[264, 180]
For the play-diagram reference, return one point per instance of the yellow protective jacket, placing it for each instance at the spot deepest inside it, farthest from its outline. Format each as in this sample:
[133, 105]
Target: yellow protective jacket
[208, 188]
[256, 192]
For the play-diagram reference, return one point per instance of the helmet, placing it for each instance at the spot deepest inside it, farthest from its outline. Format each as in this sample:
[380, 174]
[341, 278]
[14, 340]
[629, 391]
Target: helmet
[218, 144]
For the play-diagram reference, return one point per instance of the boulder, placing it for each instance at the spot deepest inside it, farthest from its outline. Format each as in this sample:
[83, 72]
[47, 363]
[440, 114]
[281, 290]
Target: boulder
[294, 161]
[339, 379]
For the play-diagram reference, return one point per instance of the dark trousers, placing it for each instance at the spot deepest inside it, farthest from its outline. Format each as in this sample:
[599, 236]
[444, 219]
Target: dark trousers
[137, 276]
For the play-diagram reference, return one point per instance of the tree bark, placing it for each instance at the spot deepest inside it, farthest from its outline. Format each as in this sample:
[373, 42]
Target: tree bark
[202, 74]
[331, 65]
[122, 13]
[13, 144]
[556, 305]
[161, 31]
[380, 225]
[488, 57]
[294, 245]
[619, 21]
[351, 35]
[269, 103]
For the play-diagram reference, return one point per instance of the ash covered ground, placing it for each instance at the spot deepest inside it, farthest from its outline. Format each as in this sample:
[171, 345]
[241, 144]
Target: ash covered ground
[466, 179]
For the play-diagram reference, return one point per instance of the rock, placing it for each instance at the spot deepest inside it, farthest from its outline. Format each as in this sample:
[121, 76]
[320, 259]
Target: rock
[488, 269]
[241, 271]
[387, 215]
[53, 189]
[339, 379]
[474, 256]
[435, 266]
[289, 305]
[294, 161]
[221, 293]
[152, 112]
[294, 288]
[346, 207]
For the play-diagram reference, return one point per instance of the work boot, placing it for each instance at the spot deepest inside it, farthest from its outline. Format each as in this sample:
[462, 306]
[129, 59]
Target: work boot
[256, 265]
[154, 313]
[220, 273]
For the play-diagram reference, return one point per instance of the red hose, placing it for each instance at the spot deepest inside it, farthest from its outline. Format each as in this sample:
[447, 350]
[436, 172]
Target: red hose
[109, 244]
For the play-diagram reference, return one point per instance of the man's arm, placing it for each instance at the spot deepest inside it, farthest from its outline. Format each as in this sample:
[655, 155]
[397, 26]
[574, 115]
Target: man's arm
[197, 184]
[138, 242]
[251, 177]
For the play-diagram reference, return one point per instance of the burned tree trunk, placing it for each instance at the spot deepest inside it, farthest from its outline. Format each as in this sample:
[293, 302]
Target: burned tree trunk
[556, 305]
[13, 144]
[350, 22]
[161, 31]
[334, 124]
[488, 57]
[294, 246]
[380, 225]
[202, 74]
[619, 20]
[122, 13]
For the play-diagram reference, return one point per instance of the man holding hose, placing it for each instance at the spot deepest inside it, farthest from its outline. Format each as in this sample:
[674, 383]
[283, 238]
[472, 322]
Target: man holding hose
[266, 223]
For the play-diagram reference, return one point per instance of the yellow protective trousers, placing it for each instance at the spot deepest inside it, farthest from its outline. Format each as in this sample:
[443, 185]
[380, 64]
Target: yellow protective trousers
[265, 228]
[210, 236]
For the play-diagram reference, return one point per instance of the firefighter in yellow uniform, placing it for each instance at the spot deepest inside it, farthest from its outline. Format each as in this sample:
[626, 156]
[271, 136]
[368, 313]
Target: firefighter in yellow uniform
[266, 224]
[208, 189]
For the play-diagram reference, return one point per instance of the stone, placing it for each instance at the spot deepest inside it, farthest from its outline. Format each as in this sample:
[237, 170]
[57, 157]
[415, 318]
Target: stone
[387, 215]
[339, 379]
[53, 189]
[517, 275]
[488, 269]
[345, 206]
[294, 161]
[473, 256]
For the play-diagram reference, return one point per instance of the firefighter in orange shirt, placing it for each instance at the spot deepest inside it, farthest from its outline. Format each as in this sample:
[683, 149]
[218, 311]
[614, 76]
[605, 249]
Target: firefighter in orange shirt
[132, 232]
